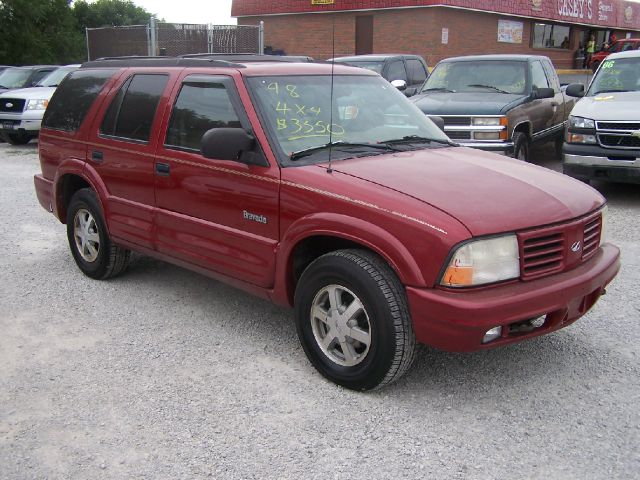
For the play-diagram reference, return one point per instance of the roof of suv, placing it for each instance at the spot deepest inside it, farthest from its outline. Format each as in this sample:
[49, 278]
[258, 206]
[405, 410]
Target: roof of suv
[626, 54]
[508, 57]
[250, 68]
[375, 57]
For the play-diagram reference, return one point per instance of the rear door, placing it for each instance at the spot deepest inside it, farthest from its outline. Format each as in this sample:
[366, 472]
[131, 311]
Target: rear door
[120, 150]
[217, 214]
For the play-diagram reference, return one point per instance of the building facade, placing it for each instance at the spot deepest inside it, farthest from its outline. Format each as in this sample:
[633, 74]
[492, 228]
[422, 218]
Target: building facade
[438, 29]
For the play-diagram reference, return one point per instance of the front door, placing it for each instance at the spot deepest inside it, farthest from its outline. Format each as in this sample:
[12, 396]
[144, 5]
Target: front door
[217, 214]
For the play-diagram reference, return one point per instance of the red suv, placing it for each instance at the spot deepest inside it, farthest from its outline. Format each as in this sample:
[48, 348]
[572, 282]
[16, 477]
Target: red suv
[618, 46]
[323, 188]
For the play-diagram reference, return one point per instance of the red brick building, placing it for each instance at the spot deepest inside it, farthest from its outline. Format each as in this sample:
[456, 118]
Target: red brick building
[438, 29]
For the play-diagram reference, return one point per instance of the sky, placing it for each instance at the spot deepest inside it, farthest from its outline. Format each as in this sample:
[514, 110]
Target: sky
[217, 12]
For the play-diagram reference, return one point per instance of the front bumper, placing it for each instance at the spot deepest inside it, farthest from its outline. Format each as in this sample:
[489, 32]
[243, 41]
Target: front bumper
[593, 162]
[29, 121]
[502, 148]
[456, 321]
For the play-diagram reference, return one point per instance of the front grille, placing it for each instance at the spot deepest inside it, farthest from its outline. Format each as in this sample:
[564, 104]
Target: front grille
[591, 235]
[457, 121]
[454, 135]
[618, 126]
[624, 141]
[542, 255]
[559, 248]
[11, 105]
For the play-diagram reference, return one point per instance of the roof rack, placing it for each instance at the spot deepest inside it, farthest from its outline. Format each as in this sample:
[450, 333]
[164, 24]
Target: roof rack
[143, 61]
[249, 57]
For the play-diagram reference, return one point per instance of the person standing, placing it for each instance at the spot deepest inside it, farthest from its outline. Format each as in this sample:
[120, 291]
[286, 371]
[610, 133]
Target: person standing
[613, 38]
[591, 49]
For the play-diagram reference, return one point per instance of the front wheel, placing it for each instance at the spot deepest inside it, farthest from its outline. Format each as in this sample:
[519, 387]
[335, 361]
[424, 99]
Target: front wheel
[89, 241]
[521, 146]
[353, 320]
[19, 138]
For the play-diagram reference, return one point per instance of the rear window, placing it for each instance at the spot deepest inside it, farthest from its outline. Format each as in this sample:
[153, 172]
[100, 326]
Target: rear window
[73, 98]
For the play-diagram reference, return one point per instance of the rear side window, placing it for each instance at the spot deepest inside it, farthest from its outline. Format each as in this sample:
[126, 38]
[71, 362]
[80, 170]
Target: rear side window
[200, 106]
[397, 71]
[133, 109]
[73, 98]
[415, 71]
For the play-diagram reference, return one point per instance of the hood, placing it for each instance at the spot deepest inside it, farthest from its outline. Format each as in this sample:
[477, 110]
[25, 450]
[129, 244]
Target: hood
[487, 193]
[609, 106]
[466, 103]
[31, 93]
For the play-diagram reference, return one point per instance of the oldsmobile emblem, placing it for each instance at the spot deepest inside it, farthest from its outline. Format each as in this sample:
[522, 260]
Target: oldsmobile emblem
[9, 104]
[575, 247]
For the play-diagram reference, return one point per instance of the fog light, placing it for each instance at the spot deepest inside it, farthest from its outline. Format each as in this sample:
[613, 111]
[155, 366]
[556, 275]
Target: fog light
[538, 322]
[492, 334]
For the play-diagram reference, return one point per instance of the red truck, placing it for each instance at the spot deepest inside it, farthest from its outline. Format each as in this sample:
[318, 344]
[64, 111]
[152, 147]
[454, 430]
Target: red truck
[322, 188]
[622, 45]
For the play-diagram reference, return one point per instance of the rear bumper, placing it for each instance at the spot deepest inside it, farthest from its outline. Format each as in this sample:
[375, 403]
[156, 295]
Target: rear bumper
[458, 321]
[44, 192]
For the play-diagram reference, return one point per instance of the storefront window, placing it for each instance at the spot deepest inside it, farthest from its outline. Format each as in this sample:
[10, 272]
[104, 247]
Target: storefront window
[547, 35]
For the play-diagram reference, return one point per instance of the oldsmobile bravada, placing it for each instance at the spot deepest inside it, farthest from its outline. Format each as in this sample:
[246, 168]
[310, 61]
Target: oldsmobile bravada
[322, 188]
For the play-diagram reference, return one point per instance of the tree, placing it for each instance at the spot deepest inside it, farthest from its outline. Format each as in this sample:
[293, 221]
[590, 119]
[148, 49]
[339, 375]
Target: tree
[109, 13]
[38, 31]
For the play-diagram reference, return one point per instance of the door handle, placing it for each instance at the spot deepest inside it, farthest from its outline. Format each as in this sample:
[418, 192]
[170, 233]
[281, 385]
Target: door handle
[97, 156]
[162, 169]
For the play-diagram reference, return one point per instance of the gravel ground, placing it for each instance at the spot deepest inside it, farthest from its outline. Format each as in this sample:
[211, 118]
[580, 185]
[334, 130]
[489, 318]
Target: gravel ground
[165, 374]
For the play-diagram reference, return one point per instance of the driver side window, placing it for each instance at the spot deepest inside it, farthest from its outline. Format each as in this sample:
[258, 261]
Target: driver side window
[397, 71]
[538, 77]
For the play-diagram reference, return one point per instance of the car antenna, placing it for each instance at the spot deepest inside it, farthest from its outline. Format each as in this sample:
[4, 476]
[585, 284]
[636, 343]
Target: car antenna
[333, 62]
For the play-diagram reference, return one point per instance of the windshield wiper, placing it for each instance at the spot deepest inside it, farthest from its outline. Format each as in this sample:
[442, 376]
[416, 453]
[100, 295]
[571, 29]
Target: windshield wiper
[2, 86]
[611, 91]
[478, 85]
[339, 144]
[438, 89]
[418, 139]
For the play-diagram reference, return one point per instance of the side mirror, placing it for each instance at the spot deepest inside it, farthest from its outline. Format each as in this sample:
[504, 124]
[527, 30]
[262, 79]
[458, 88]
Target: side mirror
[543, 93]
[438, 121]
[575, 90]
[226, 143]
[399, 84]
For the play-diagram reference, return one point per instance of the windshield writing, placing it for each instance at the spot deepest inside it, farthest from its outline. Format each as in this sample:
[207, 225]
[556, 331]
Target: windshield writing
[619, 75]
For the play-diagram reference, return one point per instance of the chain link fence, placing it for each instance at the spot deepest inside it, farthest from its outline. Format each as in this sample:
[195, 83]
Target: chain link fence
[173, 39]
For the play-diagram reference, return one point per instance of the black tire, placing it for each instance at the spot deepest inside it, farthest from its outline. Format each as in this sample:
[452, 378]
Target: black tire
[557, 147]
[97, 257]
[521, 146]
[19, 138]
[355, 276]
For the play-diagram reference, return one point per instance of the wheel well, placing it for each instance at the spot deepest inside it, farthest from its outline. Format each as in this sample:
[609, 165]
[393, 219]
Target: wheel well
[524, 128]
[308, 250]
[69, 185]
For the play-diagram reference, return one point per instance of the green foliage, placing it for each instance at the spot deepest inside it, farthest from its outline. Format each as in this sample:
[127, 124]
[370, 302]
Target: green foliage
[53, 31]
[109, 13]
[38, 31]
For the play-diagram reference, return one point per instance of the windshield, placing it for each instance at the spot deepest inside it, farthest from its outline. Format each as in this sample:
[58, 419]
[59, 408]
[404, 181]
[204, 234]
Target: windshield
[55, 77]
[298, 113]
[619, 75]
[478, 76]
[369, 65]
[14, 77]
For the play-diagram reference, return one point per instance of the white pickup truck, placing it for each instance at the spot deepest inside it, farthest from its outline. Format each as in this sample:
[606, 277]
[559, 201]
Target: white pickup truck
[602, 141]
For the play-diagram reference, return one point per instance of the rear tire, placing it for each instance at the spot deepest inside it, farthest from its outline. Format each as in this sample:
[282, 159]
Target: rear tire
[92, 249]
[353, 320]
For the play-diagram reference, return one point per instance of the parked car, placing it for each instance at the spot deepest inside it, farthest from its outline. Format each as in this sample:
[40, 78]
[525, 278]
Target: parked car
[22, 77]
[360, 214]
[21, 110]
[603, 132]
[618, 46]
[399, 68]
[498, 103]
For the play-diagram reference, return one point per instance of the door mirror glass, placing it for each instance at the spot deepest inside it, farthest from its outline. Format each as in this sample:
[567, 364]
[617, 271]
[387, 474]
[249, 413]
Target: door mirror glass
[575, 90]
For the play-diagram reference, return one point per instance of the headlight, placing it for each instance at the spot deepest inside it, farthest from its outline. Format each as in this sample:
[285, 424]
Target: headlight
[40, 104]
[483, 261]
[579, 122]
[489, 121]
[603, 228]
